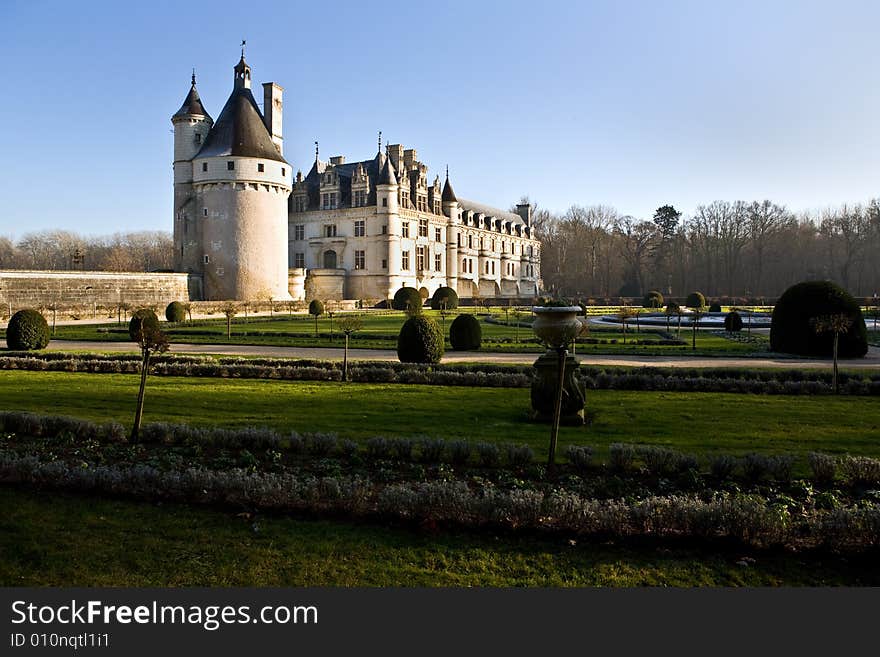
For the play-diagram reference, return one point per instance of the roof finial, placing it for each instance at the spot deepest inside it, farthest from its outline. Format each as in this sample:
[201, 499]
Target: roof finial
[194, 76]
[380, 141]
[243, 44]
[316, 152]
[447, 172]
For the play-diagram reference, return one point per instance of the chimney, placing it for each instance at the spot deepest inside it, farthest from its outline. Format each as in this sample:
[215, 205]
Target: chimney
[524, 210]
[272, 113]
[409, 156]
[395, 152]
[336, 160]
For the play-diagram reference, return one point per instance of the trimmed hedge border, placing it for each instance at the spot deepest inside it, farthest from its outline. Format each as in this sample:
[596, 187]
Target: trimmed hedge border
[770, 382]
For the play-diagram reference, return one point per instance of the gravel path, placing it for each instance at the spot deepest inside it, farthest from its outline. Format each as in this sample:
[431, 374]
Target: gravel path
[872, 360]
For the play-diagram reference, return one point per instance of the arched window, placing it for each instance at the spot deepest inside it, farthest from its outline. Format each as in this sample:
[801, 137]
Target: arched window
[329, 259]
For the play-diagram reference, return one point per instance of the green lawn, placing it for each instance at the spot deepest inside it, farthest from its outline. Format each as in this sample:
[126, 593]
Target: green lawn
[56, 539]
[693, 422]
[380, 332]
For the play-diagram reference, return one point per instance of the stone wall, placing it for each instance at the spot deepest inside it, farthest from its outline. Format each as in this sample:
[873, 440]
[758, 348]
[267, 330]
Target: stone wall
[70, 289]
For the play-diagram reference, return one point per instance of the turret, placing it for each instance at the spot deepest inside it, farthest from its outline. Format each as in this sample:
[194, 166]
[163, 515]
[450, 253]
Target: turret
[192, 123]
[387, 210]
[452, 210]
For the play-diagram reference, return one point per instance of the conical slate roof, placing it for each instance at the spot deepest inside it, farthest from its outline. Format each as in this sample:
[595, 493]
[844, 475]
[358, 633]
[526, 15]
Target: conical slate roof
[240, 130]
[192, 104]
[387, 176]
[448, 194]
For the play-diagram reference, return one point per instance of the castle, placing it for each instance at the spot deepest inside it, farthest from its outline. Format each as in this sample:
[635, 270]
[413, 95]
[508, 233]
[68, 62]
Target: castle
[246, 228]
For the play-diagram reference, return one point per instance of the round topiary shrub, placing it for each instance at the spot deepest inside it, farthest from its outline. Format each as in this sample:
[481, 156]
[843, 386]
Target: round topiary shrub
[793, 331]
[407, 298]
[715, 307]
[316, 307]
[145, 315]
[465, 333]
[420, 341]
[695, 300]
[175, 312]
[733, 322]
[27, 330]
[653, 299]
[446, 294]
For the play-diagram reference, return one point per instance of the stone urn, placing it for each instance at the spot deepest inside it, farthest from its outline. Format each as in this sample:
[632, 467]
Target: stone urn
[557, 326]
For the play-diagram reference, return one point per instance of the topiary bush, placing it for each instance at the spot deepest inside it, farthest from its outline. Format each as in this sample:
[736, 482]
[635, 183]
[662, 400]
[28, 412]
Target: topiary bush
[733, 322]
[407, 298]
[715, 307]
[695, 300]
[27, 330]
[465, 333]
[316, 307]
[653, 299]
[446, 294]
[420, 341]
[149, 318]
[175, 312]
[792, 328]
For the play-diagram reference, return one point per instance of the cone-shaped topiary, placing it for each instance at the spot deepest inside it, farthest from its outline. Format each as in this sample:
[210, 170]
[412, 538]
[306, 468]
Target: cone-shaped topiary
[151, 322]
[695, 300]
[27, 330]
[446, 294]
[733, 322]
[175, 312]
[793, 327]
[465, 333]
[407, 298]
[420, 341]
[653, 299]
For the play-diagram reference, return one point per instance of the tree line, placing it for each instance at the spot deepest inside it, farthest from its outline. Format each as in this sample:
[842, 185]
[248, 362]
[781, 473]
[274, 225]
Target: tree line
[65, 250]
[739, 249]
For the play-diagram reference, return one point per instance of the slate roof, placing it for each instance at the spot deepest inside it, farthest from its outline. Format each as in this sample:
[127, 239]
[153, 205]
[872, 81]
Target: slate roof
[239, 130]
[192, 104]
[489, 211]
[448, 195]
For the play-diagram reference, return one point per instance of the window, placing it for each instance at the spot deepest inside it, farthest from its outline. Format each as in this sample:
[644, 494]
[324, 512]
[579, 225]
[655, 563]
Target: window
[300, 204]
[385, 229]
[299, 231]
[385, 202]
[329, 259]
[420, 258]
[204, 166]
[470, 241]
[261, 168]
[404, 260]
[299, 260]
[230, 166]
[493, 245]
[404, 199]
[329, 230]
[423, 227]
[359, 259]
[493, 267]
[205, 211]
[283, 171]
[206, 259]
[438, 260]
[360, 198]
[405, 229]
[437, 234]
[198, 138]
[359, 228]
[384, 264]
[459, 240]
[436, 207]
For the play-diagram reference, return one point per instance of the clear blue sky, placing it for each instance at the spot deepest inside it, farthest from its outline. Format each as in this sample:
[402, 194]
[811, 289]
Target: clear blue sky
[632, 104]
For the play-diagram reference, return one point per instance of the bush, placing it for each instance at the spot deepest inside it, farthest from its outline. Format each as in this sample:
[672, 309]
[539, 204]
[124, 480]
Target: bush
[142, 318]
[733, 322]
[431, 449]
[580, 456]
[420, 341]
[465, 333]
[722, 465]
[653, 299]
[620, 456]
[27, 330]
[175, 312]
[672, 308]
[519, 455]
[447, 294]
[459, 451]
[861, 470]
[695, 300]
[407, 298]
[792, 329]
[823, 466]
[715, 307]
[488, 453]
[316, 307]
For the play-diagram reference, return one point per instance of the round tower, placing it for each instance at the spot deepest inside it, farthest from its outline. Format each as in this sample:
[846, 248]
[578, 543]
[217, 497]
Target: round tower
[241, 185]
[452, 210]
[192, 123]
[387, 209]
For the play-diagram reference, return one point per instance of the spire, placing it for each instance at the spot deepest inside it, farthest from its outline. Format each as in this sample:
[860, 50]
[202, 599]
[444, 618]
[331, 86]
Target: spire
[316, 153]
[387, 176]
[192, 104]
[448, 194]
[242, 71]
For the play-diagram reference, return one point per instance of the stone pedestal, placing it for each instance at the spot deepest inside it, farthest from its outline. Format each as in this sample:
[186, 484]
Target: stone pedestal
[544, 390]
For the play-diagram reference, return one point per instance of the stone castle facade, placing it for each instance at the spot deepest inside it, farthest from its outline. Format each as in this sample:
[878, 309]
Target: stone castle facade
[247, 229]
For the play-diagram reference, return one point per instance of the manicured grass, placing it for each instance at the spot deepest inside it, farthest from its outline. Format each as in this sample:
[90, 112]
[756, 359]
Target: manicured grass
[380, 332]
[56, 539]
[692, 422]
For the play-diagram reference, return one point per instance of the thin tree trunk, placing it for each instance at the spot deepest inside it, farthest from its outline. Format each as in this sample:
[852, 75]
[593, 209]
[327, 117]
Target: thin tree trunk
[345, 360]
[228, 326]
[145, 366]
[836, 338]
